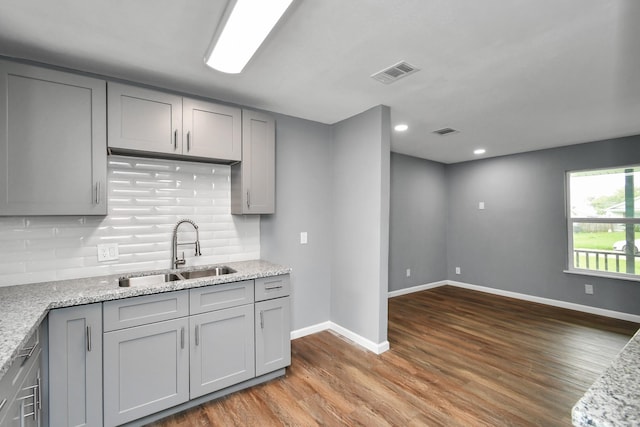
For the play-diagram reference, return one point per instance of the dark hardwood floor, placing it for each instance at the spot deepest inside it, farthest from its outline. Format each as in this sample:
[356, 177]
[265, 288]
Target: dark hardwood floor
[457, 358]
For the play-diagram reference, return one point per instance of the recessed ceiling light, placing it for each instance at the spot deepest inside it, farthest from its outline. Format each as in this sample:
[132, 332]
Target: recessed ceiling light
[246, 27]
[479, 151]
[401, 127]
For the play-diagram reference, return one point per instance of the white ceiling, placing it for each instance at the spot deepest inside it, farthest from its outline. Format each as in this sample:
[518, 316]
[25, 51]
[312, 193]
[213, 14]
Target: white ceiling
[510, 75]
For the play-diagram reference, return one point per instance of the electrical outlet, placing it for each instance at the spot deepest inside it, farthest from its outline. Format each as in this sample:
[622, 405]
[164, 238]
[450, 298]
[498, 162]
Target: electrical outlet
[303, 238]
[588, 289]
[457, 270]
[408, 272]
[481, 205]
[108, 252]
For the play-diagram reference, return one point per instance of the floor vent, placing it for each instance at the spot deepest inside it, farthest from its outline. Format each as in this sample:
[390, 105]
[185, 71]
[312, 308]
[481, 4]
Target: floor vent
[445, 131]
[394, 73]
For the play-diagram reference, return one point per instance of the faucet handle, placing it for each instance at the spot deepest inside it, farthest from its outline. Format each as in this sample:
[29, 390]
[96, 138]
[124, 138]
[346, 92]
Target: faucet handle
[198, 253]
[179, 261]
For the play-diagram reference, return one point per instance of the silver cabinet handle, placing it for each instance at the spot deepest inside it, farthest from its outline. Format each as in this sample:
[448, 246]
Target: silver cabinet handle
[189, 141]
[197, 335]
[88, 338]
[182, 337]
[261, 319]
[4, 402]
[272, 287]
[29, 352]
[39, 401]
[248, 200]
[175, 139]
[22, 414]
[97, 192]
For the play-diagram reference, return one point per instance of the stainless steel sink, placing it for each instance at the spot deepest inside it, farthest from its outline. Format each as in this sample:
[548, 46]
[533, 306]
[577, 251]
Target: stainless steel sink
[215, 271]
[154, 279]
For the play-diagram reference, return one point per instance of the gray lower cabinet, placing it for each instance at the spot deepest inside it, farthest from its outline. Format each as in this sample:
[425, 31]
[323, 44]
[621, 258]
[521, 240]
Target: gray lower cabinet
[24, 411]
[273, 337]
[75, 366]
[146, 370]
[222, 349]
[146, 355]
[21, 395]
[52, 142]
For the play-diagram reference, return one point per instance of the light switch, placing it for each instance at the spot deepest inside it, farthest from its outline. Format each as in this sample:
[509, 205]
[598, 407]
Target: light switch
[481, 205]
[303, 238]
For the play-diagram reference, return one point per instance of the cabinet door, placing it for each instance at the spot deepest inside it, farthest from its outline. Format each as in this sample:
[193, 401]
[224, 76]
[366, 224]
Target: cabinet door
[24, 410]
[253, 180]
[211, 131]
[273, 336]
[75, 366]
[146, 370]
[144, 120]
[222, 349]
[53, 158]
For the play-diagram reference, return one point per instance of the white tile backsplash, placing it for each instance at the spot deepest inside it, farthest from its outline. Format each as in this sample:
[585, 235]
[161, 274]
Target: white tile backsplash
[146, 199]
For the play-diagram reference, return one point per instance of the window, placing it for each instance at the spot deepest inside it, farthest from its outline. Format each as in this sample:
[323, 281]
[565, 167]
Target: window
[603, 217]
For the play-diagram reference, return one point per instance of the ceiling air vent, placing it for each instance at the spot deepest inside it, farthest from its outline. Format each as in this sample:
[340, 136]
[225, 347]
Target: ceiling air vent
[445, 131]
[395, 72]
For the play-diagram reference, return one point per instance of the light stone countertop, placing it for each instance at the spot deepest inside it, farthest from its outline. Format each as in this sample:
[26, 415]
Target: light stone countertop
[23, 307]
[614, 399]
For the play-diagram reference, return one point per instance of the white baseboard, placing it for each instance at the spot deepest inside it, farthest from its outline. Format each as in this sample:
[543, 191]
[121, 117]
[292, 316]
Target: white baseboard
[313, 329]
[379, 348]
[548, 301]
[416, 288]
[360, 340]
[376, 348]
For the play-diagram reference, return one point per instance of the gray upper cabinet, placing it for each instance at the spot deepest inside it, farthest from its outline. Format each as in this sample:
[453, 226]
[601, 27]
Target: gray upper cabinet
[211, 130]
[75, 361]
[52, 142]
[144, 120]
[148, 122]
[253, 180]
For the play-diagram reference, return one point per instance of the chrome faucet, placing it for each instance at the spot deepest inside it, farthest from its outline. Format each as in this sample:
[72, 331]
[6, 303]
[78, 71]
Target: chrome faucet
[175, 261]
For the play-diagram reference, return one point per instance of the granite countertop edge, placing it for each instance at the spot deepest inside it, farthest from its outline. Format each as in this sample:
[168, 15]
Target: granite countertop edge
[24, 307]
[614, 398]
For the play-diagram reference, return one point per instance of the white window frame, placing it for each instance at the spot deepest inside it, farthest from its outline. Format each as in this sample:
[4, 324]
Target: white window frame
[572, 220]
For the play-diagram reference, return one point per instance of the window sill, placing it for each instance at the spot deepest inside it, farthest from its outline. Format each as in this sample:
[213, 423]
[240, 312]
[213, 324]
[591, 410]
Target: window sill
[607, 275]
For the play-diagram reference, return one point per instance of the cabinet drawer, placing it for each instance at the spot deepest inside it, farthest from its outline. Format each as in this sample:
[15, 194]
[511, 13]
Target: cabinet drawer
[272, 287]
[143, 310]
[211, 298]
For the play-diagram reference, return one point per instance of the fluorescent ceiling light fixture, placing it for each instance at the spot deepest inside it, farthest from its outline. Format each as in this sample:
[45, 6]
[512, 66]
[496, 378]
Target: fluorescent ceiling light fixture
[246, 27]
[479, 151]
[401, 127]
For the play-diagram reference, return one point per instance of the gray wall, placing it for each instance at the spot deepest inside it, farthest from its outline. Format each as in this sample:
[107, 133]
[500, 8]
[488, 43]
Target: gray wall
[303, 203]
[519, 242]
[361, 150]
[418, 222]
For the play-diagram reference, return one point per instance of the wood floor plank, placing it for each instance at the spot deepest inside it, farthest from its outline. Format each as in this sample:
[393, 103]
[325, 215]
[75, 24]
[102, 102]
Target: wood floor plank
[457, 358]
